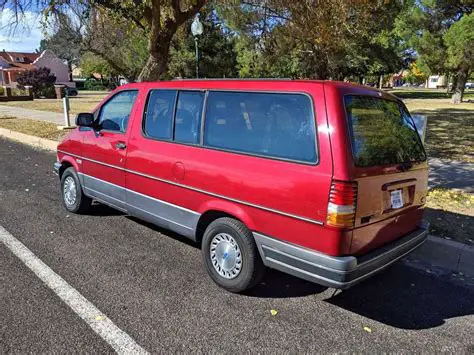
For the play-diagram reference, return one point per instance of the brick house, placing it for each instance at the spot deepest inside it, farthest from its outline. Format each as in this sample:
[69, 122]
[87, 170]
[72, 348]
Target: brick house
[13, 63]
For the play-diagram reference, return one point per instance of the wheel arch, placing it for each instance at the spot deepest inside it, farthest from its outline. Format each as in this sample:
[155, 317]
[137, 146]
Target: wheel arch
[220, 209]
[67, 162]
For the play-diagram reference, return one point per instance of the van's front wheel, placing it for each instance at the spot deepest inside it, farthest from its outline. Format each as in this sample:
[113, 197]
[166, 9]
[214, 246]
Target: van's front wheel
[73, 198]
[231, 255]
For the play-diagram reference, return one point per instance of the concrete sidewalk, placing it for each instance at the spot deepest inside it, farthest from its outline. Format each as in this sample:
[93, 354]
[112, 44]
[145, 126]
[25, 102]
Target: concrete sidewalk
[53, 117]
[451, 174]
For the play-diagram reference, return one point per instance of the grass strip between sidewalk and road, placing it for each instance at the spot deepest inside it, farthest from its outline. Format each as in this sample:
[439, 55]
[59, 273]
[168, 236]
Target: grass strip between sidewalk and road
[451, 214]
[81, 103]
[35, 128]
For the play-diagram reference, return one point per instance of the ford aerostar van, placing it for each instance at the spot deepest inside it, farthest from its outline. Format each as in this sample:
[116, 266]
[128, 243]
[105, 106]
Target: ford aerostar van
[322, 180]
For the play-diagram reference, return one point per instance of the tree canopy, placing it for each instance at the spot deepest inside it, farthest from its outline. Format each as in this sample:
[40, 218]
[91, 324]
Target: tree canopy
[431, 29]
[315, 39]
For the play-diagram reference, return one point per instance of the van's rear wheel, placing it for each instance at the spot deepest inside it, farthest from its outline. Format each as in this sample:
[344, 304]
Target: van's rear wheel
[73, 198]
[231, 255]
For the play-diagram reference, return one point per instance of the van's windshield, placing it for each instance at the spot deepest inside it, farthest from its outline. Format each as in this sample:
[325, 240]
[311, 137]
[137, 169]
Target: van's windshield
[382, 132]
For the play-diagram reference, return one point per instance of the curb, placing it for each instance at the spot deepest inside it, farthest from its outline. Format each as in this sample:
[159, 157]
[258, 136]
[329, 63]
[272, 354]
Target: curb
[446, 254]
[30, 140]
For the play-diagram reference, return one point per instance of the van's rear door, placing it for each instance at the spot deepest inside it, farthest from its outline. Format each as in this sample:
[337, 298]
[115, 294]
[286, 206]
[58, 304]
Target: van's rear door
[390, 169]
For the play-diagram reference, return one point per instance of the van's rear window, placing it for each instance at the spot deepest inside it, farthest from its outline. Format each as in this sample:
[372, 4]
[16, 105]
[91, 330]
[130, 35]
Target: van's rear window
[382, 132]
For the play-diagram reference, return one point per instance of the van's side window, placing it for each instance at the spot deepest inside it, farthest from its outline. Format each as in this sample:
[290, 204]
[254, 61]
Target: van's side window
[187, 127]
[115, 113]
[268, 124]
[159, 114]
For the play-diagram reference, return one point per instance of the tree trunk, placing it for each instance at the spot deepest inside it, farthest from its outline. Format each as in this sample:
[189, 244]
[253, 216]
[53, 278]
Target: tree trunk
[154, 68]
[460, 83]
[158, 48]
[448, 78]
[381, 81]
[69, 68]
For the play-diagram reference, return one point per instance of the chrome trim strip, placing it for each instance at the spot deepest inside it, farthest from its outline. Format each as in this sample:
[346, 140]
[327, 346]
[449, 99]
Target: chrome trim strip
[305, 219]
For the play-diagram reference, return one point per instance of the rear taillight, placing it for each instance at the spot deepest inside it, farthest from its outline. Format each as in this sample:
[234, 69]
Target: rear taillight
[342, 204]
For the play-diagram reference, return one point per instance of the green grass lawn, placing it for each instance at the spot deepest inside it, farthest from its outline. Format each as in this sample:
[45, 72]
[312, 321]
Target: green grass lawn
[451, 214]
[84, 102]
[40, 129]
[450, 127]
[449, 135]
[421, 93]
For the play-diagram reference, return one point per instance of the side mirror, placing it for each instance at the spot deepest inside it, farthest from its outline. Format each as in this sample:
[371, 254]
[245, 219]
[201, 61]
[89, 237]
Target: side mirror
[85, 119]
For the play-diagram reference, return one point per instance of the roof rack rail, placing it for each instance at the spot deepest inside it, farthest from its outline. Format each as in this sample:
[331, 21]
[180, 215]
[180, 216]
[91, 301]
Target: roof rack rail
[229, 79]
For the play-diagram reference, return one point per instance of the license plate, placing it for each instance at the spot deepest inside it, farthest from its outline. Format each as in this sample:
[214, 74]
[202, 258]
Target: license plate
[397, 199]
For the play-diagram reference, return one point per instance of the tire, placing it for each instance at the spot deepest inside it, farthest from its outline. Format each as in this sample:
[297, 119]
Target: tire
[231, 256]
[75, 201]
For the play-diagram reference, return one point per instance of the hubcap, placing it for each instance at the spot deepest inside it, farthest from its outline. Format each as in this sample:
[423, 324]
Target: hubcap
[226, 256]
[69, 191]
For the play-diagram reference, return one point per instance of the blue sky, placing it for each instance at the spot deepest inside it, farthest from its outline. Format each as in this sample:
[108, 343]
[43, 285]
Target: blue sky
[25, 38]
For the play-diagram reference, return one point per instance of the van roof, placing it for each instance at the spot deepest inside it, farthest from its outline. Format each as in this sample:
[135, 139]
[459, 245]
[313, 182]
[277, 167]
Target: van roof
[274, 83]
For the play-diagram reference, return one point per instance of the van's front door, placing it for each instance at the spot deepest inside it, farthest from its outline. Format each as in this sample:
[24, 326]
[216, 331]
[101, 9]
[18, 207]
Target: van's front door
[104, 150]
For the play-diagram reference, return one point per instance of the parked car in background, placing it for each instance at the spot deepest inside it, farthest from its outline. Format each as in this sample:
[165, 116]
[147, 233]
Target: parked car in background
[71, 91]
[322, 180]
[469, 86]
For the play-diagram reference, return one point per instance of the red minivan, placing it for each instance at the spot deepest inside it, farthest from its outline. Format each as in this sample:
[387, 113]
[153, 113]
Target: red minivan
[322, 180]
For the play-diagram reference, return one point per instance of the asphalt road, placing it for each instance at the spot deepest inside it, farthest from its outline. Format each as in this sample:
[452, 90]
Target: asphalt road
[152, 285]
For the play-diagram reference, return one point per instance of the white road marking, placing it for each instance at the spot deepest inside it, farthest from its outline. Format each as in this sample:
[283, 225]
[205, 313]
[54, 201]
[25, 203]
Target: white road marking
[120, 341]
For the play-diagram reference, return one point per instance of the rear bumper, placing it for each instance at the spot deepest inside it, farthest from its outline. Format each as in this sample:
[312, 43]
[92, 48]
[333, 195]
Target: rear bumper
[337, 272]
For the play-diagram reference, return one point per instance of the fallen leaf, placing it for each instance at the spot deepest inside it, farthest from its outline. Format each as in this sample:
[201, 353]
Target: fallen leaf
[367, 329]
[274, 312]
[99, 318]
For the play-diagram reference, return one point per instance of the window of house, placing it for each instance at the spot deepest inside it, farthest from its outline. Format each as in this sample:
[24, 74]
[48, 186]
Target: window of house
[265, 124]
[115, 113]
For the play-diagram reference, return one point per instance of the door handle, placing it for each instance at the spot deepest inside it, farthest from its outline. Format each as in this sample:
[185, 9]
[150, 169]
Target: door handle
[120, 145]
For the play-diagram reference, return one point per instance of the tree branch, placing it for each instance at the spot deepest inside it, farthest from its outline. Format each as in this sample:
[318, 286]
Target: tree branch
[183, 16]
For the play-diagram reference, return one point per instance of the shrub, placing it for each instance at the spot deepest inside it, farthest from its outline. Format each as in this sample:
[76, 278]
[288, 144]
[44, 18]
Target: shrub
[41, 80]
[91, 84]
[19, 92]
[94, 85]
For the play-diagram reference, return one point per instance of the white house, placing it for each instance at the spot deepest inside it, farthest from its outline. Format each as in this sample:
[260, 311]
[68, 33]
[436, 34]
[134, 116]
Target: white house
[13, 63]
[436, 81]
